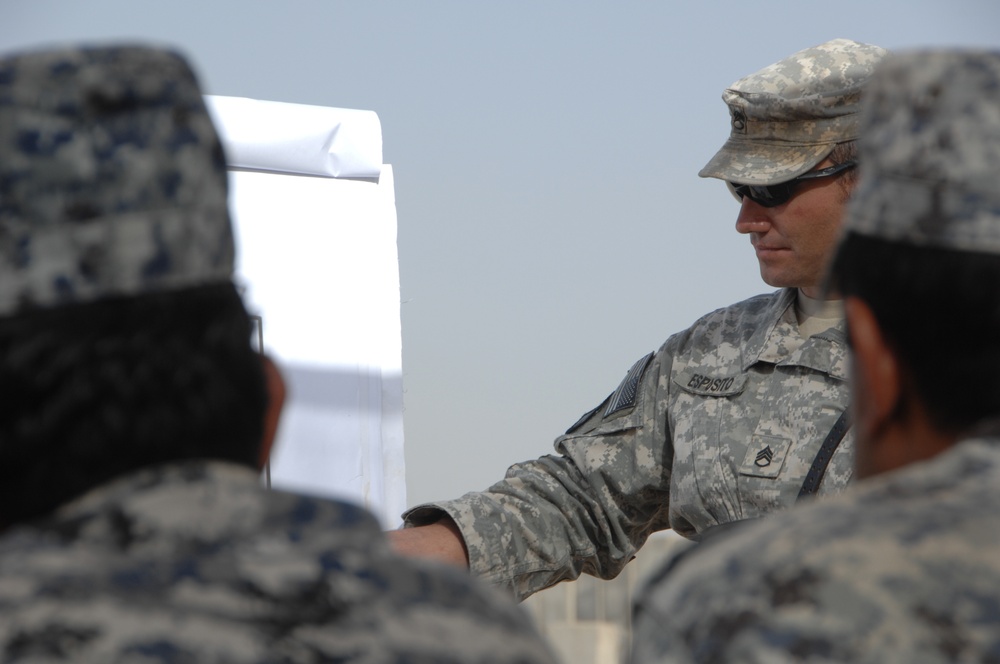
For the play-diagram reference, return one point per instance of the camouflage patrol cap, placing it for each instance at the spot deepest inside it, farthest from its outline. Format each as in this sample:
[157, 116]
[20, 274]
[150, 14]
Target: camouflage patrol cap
[930, 147]
[788, 117]
[112, 178]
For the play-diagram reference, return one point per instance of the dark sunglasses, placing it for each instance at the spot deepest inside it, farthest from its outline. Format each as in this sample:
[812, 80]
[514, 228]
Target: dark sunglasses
[773, 195]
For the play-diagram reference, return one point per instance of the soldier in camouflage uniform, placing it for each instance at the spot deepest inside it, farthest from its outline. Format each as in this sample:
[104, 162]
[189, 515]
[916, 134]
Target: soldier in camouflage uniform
[133, 526]
[905, 565]
[723, 423]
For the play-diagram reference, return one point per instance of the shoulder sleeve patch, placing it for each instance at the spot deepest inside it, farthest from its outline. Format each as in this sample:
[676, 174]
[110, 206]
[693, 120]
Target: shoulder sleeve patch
[624, 397]
[586, 417]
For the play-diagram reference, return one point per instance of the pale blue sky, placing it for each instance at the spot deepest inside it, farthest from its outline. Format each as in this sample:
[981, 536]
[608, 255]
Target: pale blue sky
[552, 228]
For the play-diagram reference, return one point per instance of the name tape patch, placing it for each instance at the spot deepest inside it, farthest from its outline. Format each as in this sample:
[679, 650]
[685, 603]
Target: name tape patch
[713, 385]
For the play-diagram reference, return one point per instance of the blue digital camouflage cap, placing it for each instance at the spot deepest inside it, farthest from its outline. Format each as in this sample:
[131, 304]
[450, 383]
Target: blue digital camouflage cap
[112, 178]
[788, 117]
[930, 152]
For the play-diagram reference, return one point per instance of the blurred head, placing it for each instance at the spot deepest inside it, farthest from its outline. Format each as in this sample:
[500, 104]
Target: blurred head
[919, 263]
[112, 179]
[123, 342]
[790, 156]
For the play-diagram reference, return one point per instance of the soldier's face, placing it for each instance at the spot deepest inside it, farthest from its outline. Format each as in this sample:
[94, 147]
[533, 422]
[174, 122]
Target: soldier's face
[793, 241]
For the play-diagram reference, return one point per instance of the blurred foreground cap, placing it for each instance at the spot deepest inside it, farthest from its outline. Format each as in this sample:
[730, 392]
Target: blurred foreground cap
[930, 152]
[112, 178]
[787, 117]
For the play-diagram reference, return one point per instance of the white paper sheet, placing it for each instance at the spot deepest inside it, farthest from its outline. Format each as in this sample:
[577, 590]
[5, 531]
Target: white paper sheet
[317, 259]
[298, 138]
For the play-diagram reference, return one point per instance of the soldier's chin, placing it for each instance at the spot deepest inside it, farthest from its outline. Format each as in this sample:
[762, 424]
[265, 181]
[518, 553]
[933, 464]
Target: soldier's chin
[779, 279]
[771, 278]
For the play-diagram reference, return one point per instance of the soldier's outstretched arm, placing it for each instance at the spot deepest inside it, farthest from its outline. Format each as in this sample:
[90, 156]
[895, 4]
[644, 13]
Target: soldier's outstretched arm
[587, 509]
[441, 541]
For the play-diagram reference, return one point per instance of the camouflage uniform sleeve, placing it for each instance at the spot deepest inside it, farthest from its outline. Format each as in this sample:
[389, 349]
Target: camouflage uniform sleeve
[586, 510]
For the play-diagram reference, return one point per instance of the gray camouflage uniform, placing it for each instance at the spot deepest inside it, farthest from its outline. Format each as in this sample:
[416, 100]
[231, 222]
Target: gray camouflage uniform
[196, 562]
[904, 566]
[113, 184]
[678, 445]
[723, 422]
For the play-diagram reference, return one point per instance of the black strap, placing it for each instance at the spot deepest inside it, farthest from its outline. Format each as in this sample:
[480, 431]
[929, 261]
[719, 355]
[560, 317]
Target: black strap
[822, 460]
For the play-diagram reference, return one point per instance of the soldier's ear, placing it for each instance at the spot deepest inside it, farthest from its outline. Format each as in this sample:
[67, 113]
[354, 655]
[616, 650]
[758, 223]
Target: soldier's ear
[876, 384]
[276, 400]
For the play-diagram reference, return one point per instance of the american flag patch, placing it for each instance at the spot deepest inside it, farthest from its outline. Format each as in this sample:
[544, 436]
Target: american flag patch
[624, 397]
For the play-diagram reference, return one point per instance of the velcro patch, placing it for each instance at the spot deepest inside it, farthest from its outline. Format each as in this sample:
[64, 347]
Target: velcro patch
[625, 396]
[708, 384]
[585, 418]
[765, 456]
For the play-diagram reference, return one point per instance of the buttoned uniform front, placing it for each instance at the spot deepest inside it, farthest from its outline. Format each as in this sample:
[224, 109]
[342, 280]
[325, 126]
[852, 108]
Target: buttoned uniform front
[726, 419]
[196, 562]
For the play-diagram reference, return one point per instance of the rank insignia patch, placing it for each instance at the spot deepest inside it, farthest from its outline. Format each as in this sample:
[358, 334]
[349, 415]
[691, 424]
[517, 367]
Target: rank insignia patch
[765, 456]
[738, 119]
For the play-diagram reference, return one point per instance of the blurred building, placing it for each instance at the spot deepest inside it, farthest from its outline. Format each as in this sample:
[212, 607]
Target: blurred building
[588, 620]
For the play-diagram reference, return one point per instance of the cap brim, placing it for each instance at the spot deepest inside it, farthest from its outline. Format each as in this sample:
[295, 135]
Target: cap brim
[746, 162]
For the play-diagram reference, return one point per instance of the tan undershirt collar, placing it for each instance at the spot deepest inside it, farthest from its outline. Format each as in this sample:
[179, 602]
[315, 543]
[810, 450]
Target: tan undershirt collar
[815, 316]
